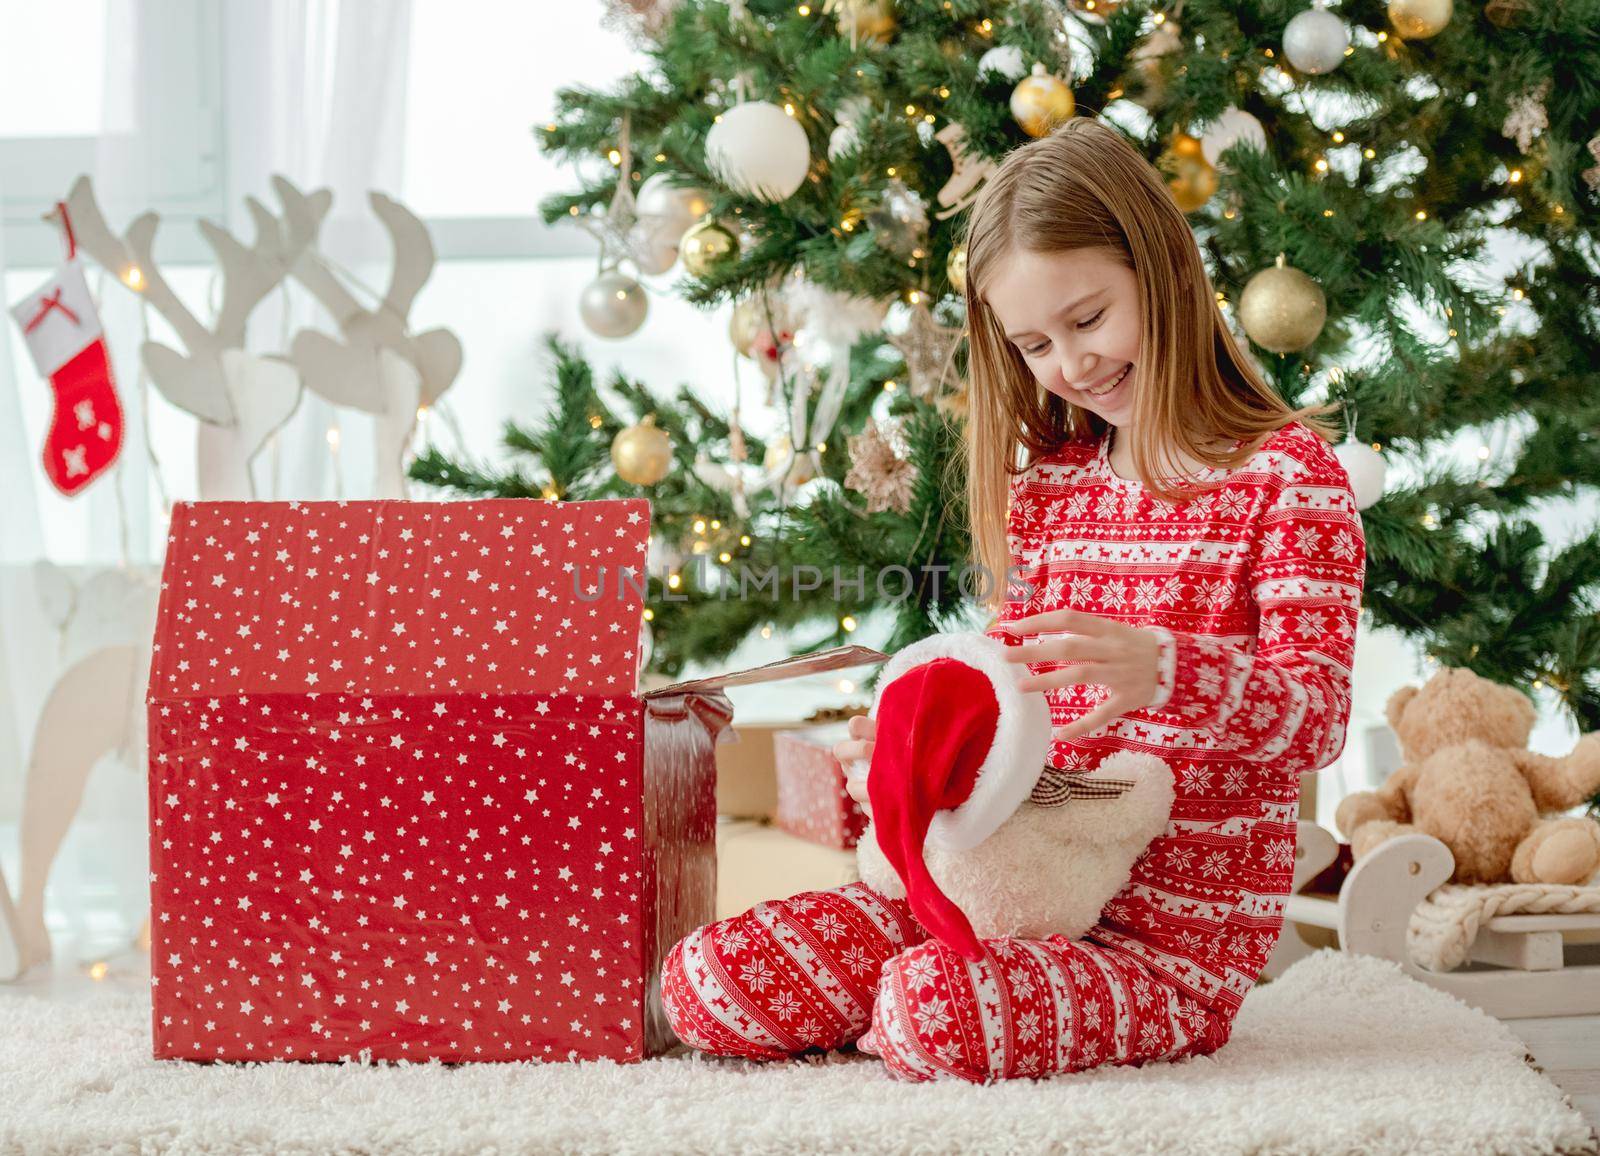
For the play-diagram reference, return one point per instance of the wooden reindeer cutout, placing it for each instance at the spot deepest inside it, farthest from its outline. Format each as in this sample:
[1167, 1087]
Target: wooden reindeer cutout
[103, 623]
[380, 367]
[239, 398]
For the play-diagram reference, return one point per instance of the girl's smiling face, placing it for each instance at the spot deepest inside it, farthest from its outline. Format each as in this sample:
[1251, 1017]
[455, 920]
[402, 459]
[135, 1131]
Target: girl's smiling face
[1073, 315]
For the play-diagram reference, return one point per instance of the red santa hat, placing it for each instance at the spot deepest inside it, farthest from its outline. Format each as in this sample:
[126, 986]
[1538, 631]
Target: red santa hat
[958, 748]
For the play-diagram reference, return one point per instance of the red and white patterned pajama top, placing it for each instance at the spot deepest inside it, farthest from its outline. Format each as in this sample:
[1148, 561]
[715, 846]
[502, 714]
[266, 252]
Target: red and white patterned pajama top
[1255, 590]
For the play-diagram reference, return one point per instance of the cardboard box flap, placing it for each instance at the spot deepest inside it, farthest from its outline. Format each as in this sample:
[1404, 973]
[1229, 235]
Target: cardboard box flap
[496, 596]
[838, 658]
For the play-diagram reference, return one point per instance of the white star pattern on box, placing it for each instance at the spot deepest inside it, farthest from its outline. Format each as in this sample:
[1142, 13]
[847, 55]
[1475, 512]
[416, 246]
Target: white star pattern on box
[280, 568]
[420, 886]
[369, 850]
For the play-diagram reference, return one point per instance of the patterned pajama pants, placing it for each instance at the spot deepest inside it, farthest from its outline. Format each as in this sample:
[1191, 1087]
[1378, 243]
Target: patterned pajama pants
[819, 969]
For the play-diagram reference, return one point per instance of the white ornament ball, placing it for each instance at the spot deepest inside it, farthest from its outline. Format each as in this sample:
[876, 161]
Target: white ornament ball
[846, 134]
[841, 140]
[1366, 468]
[1315, 41]
[758, 149]
[670, 207]
[647, 645]
[613, 305]
[1004, 61]
[1232, 126]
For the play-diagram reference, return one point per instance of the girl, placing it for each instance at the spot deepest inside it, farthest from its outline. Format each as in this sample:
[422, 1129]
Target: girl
[1193, 562]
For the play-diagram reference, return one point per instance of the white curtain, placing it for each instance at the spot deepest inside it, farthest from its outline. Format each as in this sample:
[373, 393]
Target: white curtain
[20, 537]
[311, 89]
[317, 93]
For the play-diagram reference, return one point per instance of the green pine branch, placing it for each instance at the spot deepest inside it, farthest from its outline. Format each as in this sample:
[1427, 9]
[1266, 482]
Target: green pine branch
[1395, 229]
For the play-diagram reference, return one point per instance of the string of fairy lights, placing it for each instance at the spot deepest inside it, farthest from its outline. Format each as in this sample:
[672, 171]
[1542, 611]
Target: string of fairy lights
[1315, 42]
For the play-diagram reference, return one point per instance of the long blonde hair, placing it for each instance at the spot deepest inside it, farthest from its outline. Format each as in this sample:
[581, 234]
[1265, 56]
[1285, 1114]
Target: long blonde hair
[1085, 186]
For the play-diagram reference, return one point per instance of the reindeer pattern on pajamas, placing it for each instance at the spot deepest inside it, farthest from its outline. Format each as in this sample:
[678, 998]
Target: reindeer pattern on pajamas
[1254, 590]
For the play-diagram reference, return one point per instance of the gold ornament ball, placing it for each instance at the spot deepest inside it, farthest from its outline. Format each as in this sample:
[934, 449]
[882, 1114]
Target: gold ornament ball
[746, 323]
[1507, 13]
[1419, 19]
[954, 404]
[1042, 101]
[777, 450]
[780, 450]
[867, 19]
[1191, 178]
[706, 246]
[1282, 309]
[1151, 90]
[956, 268]
[1101, 8]
[642, 454]
[1184, 145]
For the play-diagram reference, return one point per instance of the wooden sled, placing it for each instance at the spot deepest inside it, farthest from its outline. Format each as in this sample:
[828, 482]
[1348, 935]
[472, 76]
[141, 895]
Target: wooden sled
[1519, 966]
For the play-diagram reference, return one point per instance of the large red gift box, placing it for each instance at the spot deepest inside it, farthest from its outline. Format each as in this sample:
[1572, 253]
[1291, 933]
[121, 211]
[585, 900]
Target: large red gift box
[813, 801]
[405, 801]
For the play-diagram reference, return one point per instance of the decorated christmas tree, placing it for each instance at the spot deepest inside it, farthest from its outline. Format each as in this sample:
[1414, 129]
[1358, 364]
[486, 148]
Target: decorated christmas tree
[1353, 176]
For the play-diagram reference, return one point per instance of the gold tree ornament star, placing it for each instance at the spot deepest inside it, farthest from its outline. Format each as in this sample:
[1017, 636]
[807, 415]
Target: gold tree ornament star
[928, 348]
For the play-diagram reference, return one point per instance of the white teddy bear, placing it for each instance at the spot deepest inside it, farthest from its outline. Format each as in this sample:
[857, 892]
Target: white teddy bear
[1019, 849]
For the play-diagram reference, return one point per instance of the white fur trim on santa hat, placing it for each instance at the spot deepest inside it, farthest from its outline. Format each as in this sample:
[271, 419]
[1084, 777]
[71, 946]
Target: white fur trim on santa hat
[1021, 740]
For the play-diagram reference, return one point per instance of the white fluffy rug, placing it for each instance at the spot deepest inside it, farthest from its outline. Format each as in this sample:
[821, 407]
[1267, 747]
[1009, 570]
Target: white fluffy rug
[1342, 1054]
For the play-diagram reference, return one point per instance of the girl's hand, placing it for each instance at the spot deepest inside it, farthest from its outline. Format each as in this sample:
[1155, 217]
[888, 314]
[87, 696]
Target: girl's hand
[858, 746]
[1124, 659]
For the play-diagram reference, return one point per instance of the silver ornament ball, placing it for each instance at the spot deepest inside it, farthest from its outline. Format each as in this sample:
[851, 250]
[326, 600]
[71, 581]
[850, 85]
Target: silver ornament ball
[653, 249]
[674, 207]
[613, 305]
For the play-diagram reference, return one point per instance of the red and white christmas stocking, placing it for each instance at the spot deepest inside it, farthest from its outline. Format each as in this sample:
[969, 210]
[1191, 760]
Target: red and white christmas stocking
[62, 331]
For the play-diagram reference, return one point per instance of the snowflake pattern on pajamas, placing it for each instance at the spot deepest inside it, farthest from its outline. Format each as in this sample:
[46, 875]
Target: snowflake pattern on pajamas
[1255, 590]
[767, 985]
[786, 975]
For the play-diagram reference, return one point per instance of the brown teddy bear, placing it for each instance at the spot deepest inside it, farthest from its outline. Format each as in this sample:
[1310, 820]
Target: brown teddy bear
[1469, 780]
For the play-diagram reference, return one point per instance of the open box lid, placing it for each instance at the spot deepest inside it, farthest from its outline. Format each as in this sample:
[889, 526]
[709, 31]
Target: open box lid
[838, 658]
[383, 597]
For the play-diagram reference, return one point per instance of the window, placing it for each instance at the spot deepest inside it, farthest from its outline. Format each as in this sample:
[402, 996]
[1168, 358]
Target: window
[65, 92]
[52, 75]
[483, 76]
